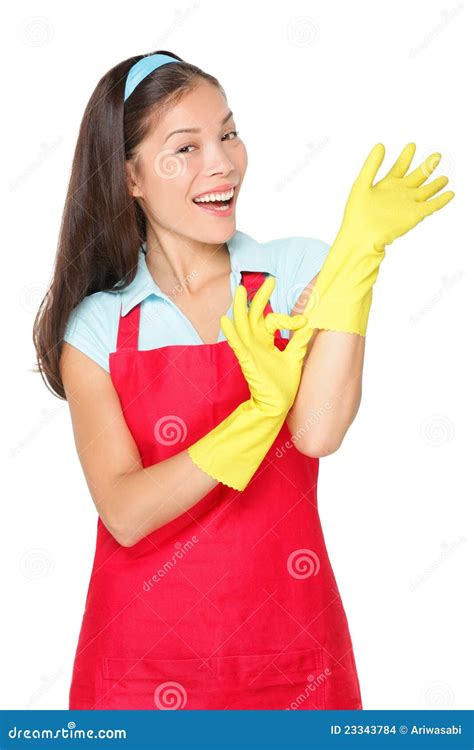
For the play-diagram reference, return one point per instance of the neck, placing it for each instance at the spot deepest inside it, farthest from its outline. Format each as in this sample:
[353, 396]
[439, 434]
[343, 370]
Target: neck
[175, 259]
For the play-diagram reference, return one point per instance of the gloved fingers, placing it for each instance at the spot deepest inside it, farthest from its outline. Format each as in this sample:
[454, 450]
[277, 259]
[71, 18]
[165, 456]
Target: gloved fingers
[371, 166]
[241, 320]
[436, 203]
[427, 191]
[278, 321]
[235, 342]
[299, 341]
[401, 165]
[260, 300]
[421, 173]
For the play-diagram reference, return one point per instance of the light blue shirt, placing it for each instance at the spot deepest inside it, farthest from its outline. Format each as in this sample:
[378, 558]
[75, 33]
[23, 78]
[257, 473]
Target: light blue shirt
[93, 324]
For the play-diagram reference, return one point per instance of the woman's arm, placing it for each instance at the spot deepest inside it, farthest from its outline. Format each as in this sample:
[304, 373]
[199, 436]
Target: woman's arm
[132, 501]
[374, 216]
[330, 390]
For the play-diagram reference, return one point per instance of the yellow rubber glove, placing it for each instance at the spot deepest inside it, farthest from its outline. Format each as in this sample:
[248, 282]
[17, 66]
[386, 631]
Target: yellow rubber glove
[232, 451]
[374, 216]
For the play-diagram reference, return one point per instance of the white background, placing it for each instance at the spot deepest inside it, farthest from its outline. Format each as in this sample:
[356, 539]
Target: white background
[313, 85]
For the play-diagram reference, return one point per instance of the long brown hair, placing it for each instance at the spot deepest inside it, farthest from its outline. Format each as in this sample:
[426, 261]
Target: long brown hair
[102, 225]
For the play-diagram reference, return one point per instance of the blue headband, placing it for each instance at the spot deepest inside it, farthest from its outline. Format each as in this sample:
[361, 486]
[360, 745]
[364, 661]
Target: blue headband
[142, 68]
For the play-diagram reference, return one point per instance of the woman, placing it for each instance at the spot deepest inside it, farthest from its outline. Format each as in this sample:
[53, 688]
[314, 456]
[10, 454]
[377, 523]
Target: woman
[211, 584]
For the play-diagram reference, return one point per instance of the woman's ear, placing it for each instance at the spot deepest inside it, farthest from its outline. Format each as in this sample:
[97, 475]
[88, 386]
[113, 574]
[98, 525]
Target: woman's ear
[132, 182]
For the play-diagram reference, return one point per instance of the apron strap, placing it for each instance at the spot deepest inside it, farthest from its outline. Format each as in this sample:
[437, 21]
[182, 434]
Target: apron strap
[129, 325]
[252, 281]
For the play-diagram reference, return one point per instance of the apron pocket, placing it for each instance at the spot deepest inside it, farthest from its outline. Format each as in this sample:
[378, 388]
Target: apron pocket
[291, 680]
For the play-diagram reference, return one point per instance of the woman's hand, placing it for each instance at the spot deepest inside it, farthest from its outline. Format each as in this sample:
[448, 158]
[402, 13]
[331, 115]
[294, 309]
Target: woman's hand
[374, 216]
[273, 375]
[235, 448]
[398, 202]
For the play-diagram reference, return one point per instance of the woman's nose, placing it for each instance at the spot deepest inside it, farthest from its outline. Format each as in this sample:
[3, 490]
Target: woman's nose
[216, 159]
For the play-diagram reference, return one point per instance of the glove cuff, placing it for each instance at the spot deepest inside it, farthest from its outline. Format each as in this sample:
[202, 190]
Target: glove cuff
[233, 451]
[340, 314]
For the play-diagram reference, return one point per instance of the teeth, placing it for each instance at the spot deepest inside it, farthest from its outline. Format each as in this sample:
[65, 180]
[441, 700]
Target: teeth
[211, 197]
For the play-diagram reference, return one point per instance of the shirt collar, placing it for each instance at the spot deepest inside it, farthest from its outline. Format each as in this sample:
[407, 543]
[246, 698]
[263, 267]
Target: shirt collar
[246, 254]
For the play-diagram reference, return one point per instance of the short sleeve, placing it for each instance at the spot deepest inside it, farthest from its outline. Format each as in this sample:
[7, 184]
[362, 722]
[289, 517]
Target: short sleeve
[89, 329]
[303, 260]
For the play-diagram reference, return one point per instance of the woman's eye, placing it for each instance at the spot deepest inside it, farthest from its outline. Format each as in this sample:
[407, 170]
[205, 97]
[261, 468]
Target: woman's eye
[181, 150]
[235, 132]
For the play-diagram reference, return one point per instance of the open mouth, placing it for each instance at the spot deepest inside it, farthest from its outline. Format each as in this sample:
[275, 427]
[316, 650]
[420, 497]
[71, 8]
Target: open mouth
[217, 208]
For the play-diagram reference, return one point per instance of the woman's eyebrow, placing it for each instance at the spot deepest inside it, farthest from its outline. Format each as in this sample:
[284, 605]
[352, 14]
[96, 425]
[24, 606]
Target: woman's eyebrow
[196, 130]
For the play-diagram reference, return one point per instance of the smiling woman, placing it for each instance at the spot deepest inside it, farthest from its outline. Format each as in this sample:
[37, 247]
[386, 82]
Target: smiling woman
[179, 411]
[169, 171]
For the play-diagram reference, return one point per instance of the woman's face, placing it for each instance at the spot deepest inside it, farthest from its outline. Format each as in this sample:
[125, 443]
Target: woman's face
[176, 167]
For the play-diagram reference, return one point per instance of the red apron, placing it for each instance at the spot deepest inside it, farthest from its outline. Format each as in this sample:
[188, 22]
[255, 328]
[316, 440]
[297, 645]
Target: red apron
[233, 604]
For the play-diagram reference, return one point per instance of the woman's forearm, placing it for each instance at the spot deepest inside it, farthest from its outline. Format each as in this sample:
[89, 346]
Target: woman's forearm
[329, 394]
[148, 498]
